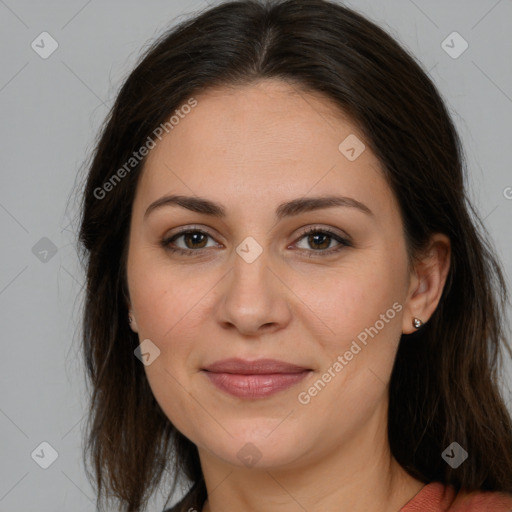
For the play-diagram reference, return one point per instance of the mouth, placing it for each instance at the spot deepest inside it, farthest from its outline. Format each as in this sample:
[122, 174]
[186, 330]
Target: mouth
[254, 379]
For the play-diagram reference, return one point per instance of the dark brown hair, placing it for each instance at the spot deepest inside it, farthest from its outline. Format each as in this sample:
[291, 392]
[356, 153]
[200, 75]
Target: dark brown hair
[444, 384]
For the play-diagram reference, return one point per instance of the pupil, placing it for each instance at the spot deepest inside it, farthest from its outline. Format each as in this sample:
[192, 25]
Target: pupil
[193, 237]
[321, 236]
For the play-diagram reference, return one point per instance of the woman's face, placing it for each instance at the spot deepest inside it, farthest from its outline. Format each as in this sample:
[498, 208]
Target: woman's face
[256, 287]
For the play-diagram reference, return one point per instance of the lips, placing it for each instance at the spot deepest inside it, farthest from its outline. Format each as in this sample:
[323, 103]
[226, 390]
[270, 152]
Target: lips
[254, 379]
[258, 367]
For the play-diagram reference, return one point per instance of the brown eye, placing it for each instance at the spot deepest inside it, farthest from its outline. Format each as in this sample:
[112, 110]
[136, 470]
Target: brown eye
[320, 241]
[193, 240]
[196, 239]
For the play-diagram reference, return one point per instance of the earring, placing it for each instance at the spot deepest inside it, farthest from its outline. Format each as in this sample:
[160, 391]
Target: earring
[417, 323]
[129, 318]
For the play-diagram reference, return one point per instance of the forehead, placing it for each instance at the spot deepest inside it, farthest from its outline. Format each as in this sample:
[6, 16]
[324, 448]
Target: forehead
[262, 138]
[238, 120]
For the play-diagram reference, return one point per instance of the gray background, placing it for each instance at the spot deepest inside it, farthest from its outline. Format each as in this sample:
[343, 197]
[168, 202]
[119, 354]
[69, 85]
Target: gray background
[51, 112]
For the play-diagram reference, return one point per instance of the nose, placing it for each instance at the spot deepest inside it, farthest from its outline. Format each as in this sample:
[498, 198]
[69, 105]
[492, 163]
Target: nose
[254, 298]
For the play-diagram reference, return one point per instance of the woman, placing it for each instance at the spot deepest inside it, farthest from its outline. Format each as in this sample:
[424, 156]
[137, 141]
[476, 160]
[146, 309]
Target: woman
[286, 293]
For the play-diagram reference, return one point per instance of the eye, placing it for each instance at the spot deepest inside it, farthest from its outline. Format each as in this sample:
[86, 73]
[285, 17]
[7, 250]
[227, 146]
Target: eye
[194, 239]
[322, 238]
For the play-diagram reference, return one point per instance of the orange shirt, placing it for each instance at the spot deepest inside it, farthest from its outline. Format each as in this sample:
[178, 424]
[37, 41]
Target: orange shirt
[438, 497]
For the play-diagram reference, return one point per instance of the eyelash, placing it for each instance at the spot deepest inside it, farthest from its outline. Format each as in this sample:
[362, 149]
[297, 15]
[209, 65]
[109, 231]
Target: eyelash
[312, 253]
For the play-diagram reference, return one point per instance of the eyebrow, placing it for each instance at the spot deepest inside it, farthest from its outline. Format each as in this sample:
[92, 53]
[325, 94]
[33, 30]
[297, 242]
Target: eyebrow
[287, 209]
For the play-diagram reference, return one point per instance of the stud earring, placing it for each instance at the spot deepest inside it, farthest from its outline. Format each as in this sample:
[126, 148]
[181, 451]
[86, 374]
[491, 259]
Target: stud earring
[417, 323]
[129, 318]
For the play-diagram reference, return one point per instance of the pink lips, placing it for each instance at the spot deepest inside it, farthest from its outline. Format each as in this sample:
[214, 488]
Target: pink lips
[254, 379]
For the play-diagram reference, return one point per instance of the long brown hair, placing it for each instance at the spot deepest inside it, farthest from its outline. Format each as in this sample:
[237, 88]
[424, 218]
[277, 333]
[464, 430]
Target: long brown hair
[444, 384]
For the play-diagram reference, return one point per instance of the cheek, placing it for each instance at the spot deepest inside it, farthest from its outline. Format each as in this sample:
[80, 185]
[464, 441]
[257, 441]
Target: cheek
[360, 312]
[172, 307]
[167, 308]
[346, 302]
[163, 296]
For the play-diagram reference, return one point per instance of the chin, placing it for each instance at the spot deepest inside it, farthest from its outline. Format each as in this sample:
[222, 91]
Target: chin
[259, 445]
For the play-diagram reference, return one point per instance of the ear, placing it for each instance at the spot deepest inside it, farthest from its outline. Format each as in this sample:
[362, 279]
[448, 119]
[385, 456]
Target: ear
[131, 317]
[427, 281]
[133, 322]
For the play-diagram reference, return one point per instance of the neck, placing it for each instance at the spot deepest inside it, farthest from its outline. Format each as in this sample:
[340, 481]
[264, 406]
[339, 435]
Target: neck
[357, 476]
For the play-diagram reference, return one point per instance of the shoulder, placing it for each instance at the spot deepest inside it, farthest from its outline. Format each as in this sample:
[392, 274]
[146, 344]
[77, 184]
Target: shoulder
[185, 506]
[179, 507]
[438, 497]
[482, 500]
[192, 501]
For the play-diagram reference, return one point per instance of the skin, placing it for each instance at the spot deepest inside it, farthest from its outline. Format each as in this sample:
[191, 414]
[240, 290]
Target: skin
[251, 148]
